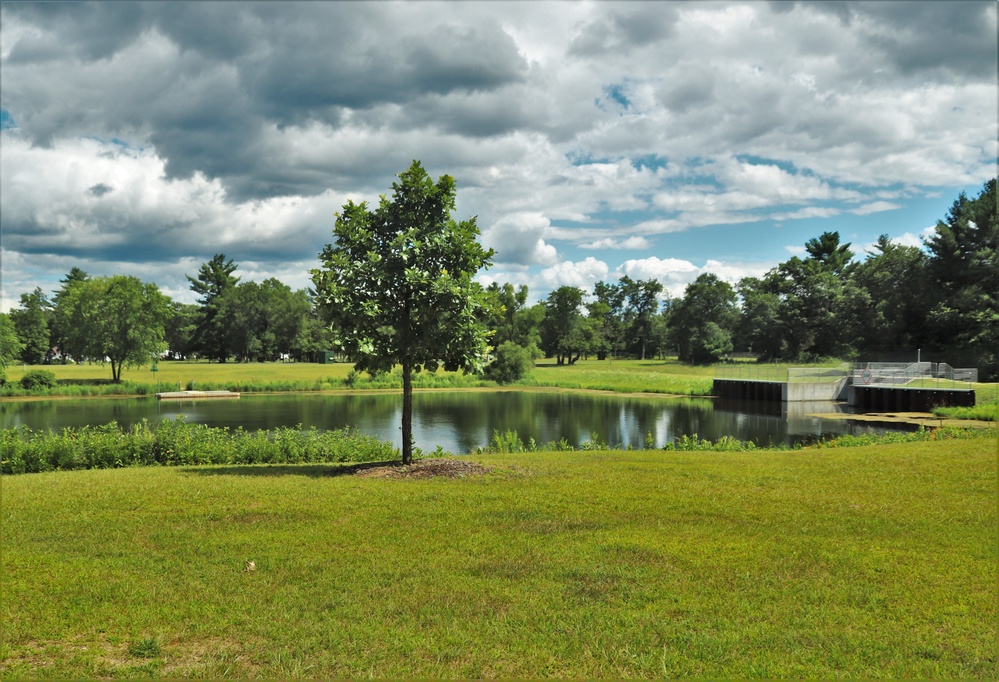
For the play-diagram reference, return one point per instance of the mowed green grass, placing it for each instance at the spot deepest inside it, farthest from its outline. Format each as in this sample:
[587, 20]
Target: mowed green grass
[171, 373]
[872, 561]
[628, 376]
[621, 376]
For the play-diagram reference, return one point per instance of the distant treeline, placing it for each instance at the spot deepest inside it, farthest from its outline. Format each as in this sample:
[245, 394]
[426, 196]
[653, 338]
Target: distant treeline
[942, 298]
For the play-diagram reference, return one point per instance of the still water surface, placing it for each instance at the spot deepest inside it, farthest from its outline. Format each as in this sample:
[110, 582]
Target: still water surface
[461, 421]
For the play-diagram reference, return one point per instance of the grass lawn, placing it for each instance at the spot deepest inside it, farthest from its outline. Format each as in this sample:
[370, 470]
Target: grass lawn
[869, 561]
[171, 373]
[628, 376]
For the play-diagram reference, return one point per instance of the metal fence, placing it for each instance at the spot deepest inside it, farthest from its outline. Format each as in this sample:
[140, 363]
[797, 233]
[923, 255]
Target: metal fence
[914, 374]
[752, 372]
[783, 373]
[819, 374]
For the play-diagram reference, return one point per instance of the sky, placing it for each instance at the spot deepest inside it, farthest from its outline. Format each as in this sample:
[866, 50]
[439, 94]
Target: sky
[592, 140]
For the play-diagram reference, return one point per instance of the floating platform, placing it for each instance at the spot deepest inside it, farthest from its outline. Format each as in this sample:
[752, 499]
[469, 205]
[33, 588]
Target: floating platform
[195, 395]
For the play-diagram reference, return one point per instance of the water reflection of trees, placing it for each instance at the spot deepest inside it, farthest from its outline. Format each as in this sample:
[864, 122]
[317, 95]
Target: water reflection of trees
[459, 421]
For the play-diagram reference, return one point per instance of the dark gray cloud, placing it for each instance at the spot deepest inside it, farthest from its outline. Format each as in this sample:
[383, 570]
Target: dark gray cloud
[625, 29]
[85, 31]
[144, 132]
[956, 38]
[221, 75]
[100, 189]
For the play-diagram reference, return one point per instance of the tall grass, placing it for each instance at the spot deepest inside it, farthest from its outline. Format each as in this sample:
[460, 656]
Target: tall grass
[510, 442]
[179, 443]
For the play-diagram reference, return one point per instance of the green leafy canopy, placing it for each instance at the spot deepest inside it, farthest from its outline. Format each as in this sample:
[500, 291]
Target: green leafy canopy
[397, 284]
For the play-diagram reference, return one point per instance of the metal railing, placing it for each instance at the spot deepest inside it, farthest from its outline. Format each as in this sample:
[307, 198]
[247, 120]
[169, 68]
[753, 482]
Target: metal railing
[819, 374]
[914, 374]
[782, 373]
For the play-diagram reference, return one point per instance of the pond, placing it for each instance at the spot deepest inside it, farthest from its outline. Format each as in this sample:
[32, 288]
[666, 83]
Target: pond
[460, 421]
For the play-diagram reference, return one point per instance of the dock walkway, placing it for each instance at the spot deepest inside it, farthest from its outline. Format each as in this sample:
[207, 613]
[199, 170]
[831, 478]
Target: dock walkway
[195, 395]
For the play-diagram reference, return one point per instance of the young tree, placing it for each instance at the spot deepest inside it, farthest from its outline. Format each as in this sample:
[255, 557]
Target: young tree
[398, 286]
[118, 318]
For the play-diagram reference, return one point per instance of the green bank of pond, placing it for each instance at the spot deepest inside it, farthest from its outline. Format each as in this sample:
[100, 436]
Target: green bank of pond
[460, 421]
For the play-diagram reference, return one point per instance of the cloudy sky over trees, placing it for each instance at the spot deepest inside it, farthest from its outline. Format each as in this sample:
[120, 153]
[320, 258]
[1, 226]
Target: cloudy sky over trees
[592, 140]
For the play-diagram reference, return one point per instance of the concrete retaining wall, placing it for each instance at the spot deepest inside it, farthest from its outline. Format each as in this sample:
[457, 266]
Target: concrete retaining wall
[867, 398]
[740, 389]
[884, 399]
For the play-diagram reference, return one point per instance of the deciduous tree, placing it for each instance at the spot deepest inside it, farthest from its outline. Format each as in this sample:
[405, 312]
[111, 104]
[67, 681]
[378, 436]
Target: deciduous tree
[397, 284]
[31, 321]
[563, 333]
[893, 279]
[118, 318]
[10, 347]
[703, 320]
[643, 303]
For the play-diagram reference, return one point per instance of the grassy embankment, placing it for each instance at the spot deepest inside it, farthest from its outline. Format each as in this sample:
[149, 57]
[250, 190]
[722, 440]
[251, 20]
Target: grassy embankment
[869, 561]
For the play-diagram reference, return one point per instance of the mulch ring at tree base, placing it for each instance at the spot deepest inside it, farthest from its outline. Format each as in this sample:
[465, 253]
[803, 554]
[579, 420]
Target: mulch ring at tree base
[426, 468]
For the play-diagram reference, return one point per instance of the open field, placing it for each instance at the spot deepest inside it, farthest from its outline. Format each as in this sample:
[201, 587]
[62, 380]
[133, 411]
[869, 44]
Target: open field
[627, 376]
[869, 561]
[172, 373]
[649, 376]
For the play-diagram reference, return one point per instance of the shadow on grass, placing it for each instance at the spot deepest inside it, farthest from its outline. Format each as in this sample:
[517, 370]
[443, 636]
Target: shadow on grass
[310, 470]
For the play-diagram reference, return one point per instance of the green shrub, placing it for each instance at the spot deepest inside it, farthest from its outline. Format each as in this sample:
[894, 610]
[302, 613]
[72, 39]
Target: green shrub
[512, 362]
[38, 378]
[179, 443]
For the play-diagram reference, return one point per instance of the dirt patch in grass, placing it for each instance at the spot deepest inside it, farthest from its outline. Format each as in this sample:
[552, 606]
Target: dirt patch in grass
[426, 468]
[109, 659]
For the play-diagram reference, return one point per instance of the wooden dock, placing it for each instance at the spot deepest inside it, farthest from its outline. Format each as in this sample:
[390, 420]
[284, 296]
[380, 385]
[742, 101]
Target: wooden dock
[195, 395]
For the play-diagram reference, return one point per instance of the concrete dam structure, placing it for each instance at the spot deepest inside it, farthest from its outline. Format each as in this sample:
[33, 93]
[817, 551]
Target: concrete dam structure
[868, 387]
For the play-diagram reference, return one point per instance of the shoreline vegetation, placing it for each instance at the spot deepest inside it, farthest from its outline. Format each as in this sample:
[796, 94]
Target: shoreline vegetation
[179, 443]
[638, 377]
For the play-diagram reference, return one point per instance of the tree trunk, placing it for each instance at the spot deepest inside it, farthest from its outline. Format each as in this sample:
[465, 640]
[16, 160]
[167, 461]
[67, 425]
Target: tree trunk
[407, 413]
